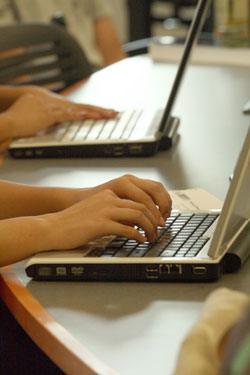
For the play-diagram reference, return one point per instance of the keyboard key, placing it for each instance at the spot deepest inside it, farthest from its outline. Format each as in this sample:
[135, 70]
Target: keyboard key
[121, 124]
[154, 251]
[168, 253]
[96, 252]
[107, 129]
[124, 252]
[95, 130]
[71, 131]
[83, 130]
[177, 238]
[138, 252]
[131, 124]
[109, 252]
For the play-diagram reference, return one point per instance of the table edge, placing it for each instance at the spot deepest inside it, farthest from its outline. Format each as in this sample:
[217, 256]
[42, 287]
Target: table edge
[52, 338]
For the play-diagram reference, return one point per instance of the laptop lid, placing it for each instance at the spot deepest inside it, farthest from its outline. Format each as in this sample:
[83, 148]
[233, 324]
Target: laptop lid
[235, 214]
[193, 33]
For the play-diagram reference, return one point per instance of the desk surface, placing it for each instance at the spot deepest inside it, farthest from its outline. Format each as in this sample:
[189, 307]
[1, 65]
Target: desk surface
[136, 328]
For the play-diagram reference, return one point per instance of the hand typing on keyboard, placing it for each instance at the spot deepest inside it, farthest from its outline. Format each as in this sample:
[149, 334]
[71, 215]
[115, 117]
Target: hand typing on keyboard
[148, 192]
[26, 110]
[63, 218]
[116, 207]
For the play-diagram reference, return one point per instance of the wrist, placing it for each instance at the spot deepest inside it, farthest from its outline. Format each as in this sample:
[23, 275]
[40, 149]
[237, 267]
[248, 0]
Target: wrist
[67, 197]
[53, 231]
[47, 232]
[32, 231]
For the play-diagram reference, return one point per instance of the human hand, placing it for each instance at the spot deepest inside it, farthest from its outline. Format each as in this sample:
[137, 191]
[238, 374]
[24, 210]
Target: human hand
[31, 113]
[150, 193]
[61, 101]
[99, 215]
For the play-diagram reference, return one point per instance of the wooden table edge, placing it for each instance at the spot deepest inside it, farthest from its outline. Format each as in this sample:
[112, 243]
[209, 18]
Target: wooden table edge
[52, 338]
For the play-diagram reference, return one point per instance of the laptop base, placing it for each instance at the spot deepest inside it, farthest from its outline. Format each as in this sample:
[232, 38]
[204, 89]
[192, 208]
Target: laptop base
[152, 272]
[130, 149]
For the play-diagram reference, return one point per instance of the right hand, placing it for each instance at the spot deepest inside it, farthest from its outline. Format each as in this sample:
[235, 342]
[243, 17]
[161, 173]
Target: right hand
[96, 216]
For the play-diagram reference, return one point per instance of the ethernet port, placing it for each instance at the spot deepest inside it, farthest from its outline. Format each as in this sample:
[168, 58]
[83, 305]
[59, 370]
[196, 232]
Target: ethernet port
[171, 269]
[165, 268]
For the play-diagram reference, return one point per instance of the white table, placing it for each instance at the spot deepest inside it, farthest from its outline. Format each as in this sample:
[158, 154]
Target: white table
[137, 328]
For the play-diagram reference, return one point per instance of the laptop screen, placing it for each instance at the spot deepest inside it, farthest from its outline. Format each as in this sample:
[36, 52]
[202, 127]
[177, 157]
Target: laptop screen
[236, 208]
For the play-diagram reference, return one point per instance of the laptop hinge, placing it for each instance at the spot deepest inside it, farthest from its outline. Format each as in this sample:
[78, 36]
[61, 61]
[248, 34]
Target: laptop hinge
[168, 139]
[239, 249]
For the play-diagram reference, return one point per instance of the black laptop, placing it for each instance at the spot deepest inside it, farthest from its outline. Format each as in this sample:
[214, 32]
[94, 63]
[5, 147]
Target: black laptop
[135, 132]
[192, 246]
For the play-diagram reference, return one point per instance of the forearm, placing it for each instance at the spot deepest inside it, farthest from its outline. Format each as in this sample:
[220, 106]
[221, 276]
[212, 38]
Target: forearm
[6, 127]
[23, 200]
[9, 94]
[21, 238]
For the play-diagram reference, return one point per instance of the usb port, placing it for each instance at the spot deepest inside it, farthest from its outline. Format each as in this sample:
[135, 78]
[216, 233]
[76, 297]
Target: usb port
[135, 149]
[199, 270]
[118, 150]
[152, 271]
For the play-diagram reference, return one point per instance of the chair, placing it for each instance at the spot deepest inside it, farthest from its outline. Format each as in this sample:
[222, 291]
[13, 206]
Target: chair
[41, 54]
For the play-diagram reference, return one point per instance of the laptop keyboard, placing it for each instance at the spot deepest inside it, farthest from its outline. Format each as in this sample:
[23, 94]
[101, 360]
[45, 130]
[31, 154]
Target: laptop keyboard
[180, 237]
[89, 130]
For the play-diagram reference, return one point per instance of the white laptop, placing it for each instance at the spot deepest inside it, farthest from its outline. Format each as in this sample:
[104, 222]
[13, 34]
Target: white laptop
[192, 246]
[135, 132]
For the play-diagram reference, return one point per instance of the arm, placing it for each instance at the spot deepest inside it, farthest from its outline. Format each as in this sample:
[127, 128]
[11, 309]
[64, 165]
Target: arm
[59, 219]
[107, 40]
[100, 215]
[8, 94]
[25, 200]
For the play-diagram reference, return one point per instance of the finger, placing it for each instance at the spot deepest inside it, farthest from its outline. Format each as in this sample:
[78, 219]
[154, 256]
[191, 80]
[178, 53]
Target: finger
[135, 217]
[64, 110]
[69, 114]
[104, 112]
[126, 203]
[97, 112]
[123, 230]
[132, 192]
[157, 192]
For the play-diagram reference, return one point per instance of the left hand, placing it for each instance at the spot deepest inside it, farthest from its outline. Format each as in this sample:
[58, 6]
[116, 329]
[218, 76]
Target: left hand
[68, 106]
[148, 192]
[31, 113]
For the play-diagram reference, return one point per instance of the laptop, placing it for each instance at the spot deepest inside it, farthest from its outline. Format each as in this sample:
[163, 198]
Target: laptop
[135, 132]
[192, 246]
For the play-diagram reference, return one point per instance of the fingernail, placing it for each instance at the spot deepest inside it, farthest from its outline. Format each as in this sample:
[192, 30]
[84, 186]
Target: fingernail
[111, 112]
